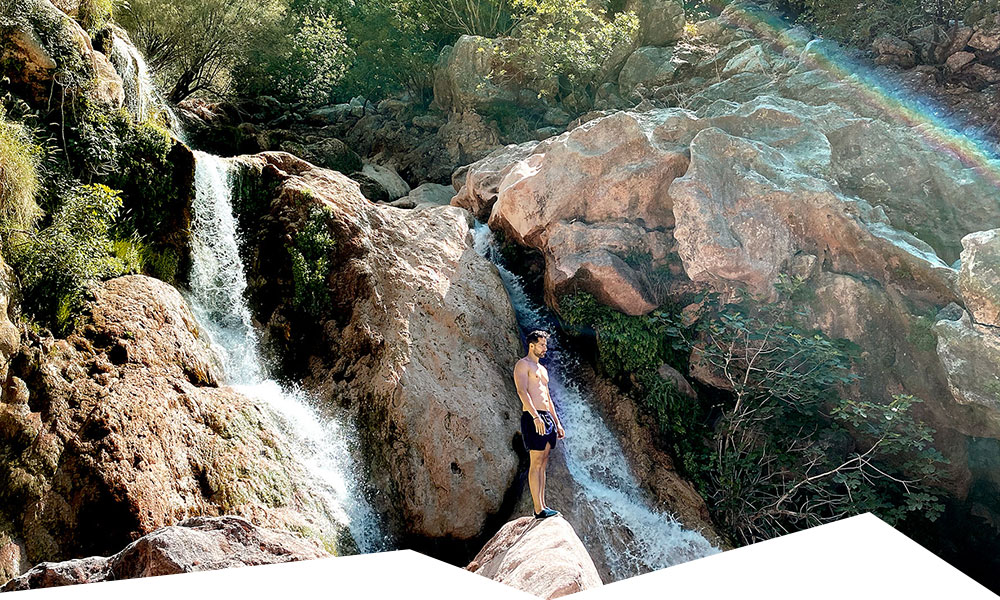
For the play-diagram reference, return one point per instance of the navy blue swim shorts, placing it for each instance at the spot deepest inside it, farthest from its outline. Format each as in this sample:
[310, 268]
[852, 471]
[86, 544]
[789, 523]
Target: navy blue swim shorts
[533, 441]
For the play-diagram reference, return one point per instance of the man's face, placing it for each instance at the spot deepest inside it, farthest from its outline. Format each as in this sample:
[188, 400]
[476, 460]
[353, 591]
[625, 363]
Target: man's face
[539, 348]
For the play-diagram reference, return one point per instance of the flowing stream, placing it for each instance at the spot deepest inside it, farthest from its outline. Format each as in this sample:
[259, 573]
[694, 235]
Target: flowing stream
[634, 537]
[218, 283]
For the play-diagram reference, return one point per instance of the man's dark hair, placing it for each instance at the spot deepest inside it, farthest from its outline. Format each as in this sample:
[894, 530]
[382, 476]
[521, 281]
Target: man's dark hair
[536, 335]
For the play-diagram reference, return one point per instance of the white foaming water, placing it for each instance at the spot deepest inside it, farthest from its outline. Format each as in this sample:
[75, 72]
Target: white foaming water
[138, 85]
[141, 96]
[217, 286]
[635, 538]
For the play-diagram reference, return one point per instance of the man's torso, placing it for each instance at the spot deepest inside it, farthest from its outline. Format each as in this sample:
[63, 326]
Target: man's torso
[538, 386]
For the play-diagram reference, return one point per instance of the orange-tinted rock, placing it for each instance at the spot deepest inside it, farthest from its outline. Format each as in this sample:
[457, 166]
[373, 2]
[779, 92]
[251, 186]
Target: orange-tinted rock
[126, 430]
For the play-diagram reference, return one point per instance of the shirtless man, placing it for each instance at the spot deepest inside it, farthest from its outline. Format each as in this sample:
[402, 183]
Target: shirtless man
[540, 426]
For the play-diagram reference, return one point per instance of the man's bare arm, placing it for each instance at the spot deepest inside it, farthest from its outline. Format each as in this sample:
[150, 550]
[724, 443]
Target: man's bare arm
[521, 383]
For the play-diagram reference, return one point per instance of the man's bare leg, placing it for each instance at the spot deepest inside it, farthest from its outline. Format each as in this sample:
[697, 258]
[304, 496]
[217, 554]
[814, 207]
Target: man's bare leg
[545, 465]
[536, 477]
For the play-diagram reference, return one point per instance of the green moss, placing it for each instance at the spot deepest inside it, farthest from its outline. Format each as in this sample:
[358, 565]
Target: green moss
[921, 334]
[95, 14]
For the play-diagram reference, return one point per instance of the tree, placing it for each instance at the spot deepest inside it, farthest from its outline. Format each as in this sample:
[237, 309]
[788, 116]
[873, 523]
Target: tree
[792, 451]
[303, 59]
[563, 46]
[192, 45]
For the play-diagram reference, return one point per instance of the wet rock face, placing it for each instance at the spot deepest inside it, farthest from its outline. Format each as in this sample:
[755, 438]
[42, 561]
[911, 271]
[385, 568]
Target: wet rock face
[197, 544]
[41, 42]
[420, 344]
[544, 558]
[122, 428]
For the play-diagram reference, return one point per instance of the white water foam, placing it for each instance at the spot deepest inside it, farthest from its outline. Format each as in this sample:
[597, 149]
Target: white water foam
[635, 537]
[142, 99]
[218, 283]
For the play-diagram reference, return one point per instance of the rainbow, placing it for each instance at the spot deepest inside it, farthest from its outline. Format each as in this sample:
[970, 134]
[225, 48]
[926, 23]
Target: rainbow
[926, 118]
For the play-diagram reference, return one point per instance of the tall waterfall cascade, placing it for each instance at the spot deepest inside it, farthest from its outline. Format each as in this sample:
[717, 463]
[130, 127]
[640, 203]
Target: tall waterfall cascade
[218, 283]
[635, 537]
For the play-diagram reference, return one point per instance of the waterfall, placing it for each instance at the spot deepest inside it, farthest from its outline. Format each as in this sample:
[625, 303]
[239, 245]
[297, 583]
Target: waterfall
[218, 283]
[635, 538]
[142, 100]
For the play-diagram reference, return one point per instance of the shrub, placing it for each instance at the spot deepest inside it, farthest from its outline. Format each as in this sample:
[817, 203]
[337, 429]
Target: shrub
[311, 266]
[789, 450]
[561, 47]
[19, 176]
[303, 60]
[625, 344]
[57, 263]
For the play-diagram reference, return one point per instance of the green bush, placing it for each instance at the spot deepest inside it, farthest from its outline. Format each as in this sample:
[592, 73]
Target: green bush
[625, 344]
[19, 176]
[57, 263]
[303, 60]
[135, 158]
[311, 266]
[561, 46]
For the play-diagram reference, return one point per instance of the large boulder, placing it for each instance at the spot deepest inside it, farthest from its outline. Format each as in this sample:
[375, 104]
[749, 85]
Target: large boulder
[197, 544]
[594, 201]
[544, 558]
[970, 353]
[428, 195]
[419, 343]
[979, 276]
[463, 75]
[478, 184]
[747, 229]
[661, 22]
[49, 57]
[648, 66]
[387, 179]
[122, 428]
